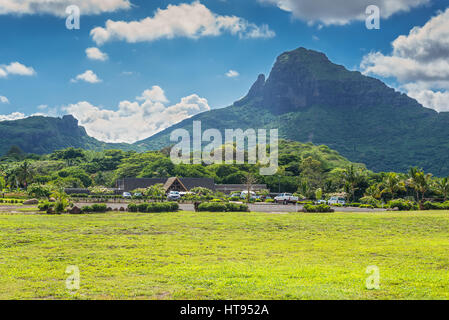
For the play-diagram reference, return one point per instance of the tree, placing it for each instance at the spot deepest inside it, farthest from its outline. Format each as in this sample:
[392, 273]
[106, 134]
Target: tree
[61, 202]
[249, 181]
[393, 184]
[374, 191]
[25, 174]
[156, 191]
[318, 194]
[351, 178]
[420, 182]
[442, 187]
[2, 186]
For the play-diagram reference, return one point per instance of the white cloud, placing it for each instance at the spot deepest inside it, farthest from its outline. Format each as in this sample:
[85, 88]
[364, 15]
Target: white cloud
[58, 7]
[96, 54]
[419, 62]
[184, 20]
[136, 120]
[88, 76]
[12, 116]
[341, 12]
[3, 99]
[16, 68]
[232, 74]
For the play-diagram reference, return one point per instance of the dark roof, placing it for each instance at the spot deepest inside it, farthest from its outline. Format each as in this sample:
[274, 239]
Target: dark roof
[191, 183]
[130, 184]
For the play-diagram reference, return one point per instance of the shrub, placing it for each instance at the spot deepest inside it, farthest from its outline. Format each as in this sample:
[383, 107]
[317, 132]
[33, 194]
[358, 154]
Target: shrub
[86, 209]
[99, 208]
[234, 199]
[132, 207]
[305, 202]
[236, 207]
[354, 204]
[216, 200]
[44, 206]
[154, 207]
[269, 200]
[436, 206]
[403, 205]
[366, 206]
[317, 208]
[222, 207]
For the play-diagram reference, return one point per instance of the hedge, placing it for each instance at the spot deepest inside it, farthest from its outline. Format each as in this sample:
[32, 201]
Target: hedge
[95, 208]
[154, 207]
[12, 201]
[403, 205]
[318, 208]
[436, 206]
[222, 207]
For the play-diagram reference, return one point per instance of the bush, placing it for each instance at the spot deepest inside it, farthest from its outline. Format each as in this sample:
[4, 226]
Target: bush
[234, 199]
[269, 200]
[44, 206]
[154, 207]
[402, 205]
[86, 209]
[354, 204]
[366, 206]
[216, 200]
[222, 207]
[317, 208]
[99, 208]
[436, 206]
[305, 202]
[132, 207]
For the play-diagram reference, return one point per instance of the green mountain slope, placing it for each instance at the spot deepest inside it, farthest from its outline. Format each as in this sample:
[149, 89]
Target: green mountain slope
[310, 99]
[42, 135]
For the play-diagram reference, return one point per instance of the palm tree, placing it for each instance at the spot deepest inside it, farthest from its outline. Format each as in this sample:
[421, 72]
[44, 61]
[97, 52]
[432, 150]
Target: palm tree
[419, 181]
[25, 173]
[442, 187]
[351, 178]
[393, 184]
[374, 191]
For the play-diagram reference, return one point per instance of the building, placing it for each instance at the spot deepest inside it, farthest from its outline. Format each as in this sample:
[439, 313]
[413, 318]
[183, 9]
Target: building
[182, 184]
[170, 184]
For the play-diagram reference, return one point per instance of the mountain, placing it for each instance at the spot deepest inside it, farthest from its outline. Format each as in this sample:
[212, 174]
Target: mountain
[42, 135]
[310, 99]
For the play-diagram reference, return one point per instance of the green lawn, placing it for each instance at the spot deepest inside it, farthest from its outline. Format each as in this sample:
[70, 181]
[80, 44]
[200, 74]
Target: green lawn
[225, 256]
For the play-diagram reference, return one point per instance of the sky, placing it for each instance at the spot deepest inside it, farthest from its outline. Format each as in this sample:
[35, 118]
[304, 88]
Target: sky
[136, 67]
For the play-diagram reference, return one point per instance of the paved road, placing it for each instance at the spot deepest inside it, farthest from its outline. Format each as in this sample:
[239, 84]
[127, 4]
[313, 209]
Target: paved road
[269, 208]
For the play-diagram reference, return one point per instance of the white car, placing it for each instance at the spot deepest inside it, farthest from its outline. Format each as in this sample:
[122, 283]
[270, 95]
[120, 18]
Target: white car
[173, 196]
[321, 202]
[337, 200]
[244, 195]
[286, 198]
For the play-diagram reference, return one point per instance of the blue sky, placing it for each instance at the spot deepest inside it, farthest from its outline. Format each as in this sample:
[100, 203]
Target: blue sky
[171, 75]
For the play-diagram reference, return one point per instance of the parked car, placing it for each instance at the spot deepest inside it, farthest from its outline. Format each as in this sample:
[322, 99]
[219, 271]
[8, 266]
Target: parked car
[127, 195]
[337, 200]
[244, 195]
[321, 202]
[173, 196]
[286, 198]
[138, 195]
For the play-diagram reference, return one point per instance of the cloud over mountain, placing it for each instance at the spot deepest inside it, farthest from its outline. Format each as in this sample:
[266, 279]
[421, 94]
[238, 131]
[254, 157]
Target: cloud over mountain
[136, 120]
[419, 62]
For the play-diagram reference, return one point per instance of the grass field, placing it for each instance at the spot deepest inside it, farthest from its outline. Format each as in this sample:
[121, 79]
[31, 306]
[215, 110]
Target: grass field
[225, 256]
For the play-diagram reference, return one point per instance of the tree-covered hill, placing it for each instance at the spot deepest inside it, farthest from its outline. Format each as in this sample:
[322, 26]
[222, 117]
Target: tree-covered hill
[42, 135]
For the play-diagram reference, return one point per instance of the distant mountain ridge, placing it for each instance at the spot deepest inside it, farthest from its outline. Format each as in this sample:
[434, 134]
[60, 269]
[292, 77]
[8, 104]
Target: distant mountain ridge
[42, 135]
[310, 99]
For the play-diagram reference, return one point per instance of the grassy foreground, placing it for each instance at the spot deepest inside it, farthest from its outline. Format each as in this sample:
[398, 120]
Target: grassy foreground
[225, 256]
